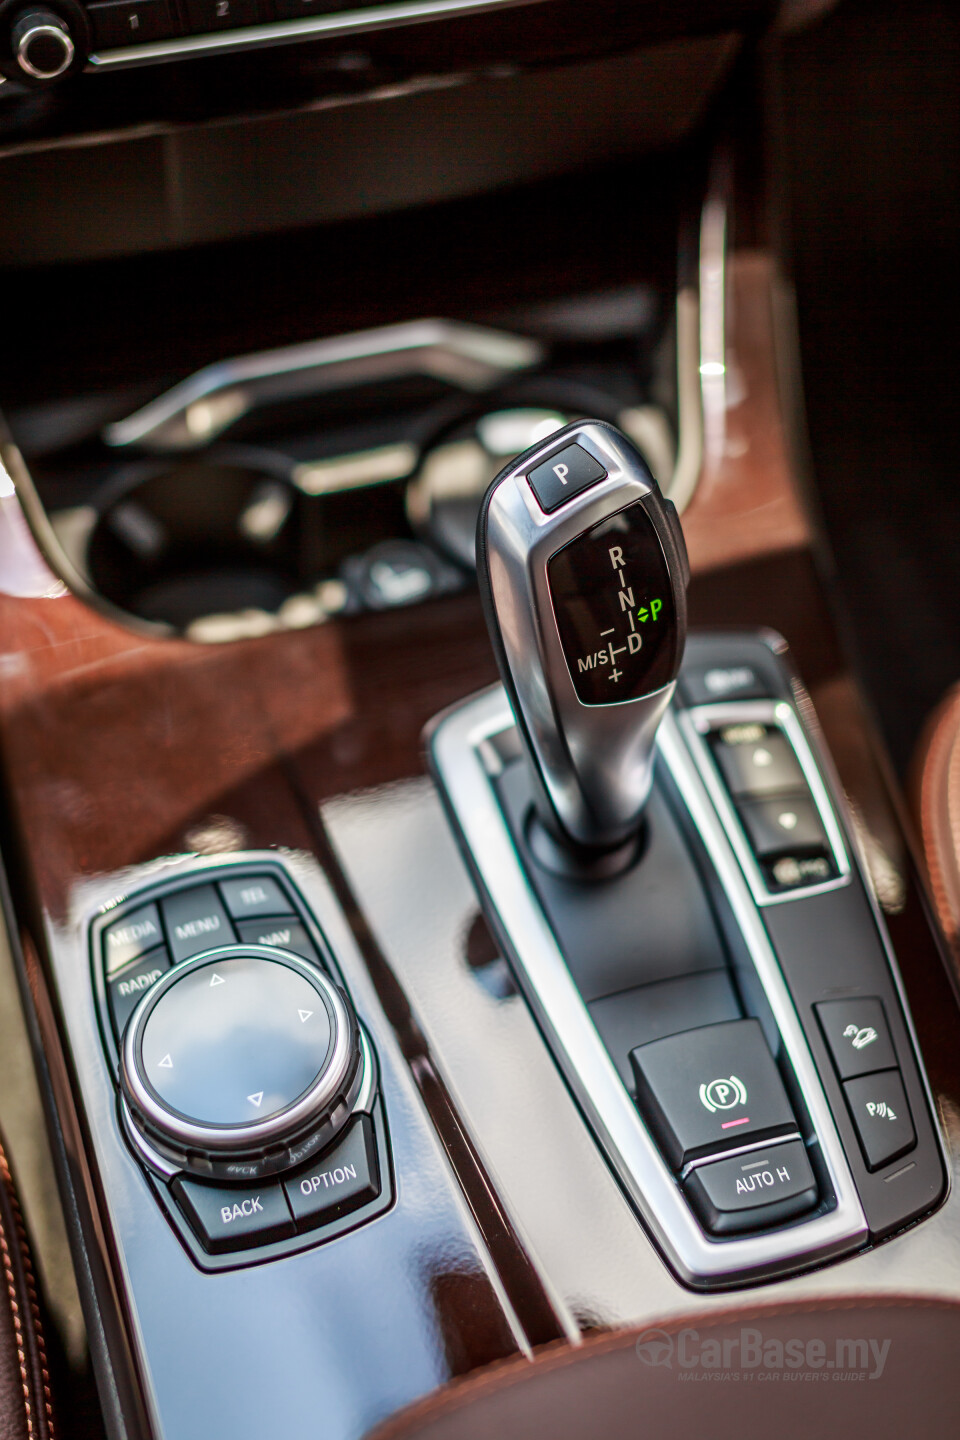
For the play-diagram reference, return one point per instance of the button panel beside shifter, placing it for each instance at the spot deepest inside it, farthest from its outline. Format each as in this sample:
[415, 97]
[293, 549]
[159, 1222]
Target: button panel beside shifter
[247, 1092]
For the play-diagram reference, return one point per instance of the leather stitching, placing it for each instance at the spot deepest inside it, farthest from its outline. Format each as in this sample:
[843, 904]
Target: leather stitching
[15, 1312]
[31, 1287]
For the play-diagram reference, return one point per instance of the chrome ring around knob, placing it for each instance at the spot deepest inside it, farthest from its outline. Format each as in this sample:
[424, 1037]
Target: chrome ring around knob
[228, 1144]
[42, 25]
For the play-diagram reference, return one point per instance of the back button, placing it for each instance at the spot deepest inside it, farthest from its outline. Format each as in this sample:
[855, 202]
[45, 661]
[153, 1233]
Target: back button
[234, 1218]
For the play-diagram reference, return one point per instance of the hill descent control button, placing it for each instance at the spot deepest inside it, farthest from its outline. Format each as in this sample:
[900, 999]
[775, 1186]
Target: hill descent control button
[857, 1033]
[710, 1090]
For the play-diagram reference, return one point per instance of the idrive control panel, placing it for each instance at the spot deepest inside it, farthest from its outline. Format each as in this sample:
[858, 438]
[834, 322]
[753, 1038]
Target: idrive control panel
[612, 597]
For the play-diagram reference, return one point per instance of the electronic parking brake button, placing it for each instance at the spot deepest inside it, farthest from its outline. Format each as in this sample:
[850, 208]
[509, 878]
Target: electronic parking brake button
[235, 1217]
[341, 1180]
[710, 1089]
[195, 921]
[761, 1188]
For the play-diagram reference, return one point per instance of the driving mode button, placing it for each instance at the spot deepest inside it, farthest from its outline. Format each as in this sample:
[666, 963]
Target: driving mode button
[195, 921]
[710, 1089]
[341, 1180]
[761, 1188]
[857, 1034]
[756, 761]
[564, 475]
[785, 826]
[235, 1217]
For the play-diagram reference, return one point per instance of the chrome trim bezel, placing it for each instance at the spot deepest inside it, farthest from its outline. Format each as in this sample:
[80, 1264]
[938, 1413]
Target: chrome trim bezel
[62, 33]
[286, 1124]
[697, 722]
[700, 1261]
[473, 357]
[280, 32]
[595, 761]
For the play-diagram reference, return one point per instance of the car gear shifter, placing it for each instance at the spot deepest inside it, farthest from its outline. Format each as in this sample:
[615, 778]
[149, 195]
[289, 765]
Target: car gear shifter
[583, 573]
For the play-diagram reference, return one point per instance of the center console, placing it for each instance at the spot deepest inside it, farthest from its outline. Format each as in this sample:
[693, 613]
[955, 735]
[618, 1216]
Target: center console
[667, 866]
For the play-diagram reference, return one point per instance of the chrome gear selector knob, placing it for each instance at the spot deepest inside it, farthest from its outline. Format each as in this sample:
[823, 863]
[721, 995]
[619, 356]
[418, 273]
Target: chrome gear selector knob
[583, 574]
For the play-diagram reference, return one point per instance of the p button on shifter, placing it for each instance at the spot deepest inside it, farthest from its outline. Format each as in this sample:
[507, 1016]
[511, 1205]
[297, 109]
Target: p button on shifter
[564, 475]
[709, 1090]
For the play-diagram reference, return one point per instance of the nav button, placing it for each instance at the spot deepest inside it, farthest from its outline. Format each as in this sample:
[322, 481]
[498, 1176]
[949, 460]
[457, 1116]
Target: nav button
[343, 1179]
[235, 1217]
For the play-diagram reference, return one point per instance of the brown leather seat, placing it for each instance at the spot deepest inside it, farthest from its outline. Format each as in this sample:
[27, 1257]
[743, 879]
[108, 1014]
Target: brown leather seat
[937, 794]
[882, 1370]
[26, 1401]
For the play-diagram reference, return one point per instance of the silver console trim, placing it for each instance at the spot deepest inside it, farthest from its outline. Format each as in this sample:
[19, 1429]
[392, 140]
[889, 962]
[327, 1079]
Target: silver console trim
[696, 723]
[346, 22]
[198, 409]
[457, 743]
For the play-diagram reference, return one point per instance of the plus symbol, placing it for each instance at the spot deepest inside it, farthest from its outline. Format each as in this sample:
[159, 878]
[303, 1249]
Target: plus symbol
[615, 675]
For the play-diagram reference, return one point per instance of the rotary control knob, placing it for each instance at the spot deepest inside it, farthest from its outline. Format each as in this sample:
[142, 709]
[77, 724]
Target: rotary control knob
[240, 1062]
[42, 44]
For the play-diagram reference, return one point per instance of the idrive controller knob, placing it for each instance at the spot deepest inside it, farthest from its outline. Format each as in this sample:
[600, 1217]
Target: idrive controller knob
[240, 1062]
[583, 572]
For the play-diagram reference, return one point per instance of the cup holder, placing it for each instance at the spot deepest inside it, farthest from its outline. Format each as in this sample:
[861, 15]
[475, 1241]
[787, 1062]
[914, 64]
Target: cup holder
[226, 545]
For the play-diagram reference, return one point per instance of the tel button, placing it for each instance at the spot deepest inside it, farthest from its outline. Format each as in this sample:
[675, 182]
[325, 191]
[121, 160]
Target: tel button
[196, 921]
[235, 1217]
[254, 895]
[341, 1180]
[134, 935]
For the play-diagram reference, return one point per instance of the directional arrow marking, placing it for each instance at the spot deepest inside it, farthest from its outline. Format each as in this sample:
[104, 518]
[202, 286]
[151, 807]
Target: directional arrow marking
[256, 1099]
[216, 979]
[166, 1063]
[304, 1015]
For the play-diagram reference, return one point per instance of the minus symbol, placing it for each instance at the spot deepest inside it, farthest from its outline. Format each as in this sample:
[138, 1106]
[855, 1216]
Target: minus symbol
[607, 632]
